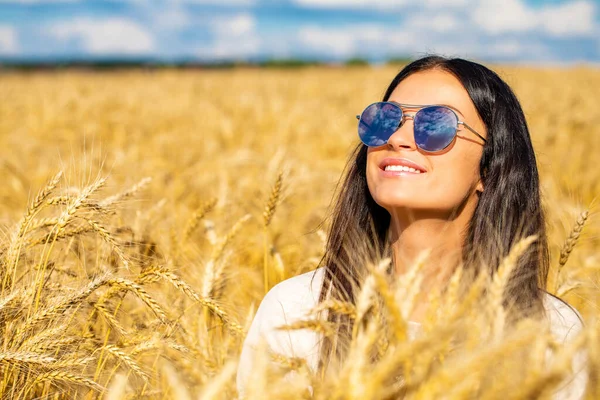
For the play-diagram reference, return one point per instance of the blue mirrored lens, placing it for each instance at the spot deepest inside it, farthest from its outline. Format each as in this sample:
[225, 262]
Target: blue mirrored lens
[378, 122]
[435, 128]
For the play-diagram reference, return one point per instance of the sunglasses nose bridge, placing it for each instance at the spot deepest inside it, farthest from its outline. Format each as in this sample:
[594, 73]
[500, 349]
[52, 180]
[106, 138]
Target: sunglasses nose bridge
[406, 116]
[400, 138]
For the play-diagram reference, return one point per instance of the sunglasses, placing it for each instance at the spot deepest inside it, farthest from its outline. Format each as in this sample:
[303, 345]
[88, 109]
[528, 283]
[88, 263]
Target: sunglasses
[435, 126]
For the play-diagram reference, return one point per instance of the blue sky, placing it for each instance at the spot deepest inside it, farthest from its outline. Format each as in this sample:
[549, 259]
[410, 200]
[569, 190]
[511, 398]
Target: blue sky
[556, 31]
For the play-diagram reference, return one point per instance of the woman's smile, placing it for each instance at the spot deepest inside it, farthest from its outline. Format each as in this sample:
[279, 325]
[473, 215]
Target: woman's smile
[392, 167]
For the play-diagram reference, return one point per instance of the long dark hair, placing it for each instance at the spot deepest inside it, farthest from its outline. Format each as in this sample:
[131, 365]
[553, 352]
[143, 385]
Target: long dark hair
[508, 209]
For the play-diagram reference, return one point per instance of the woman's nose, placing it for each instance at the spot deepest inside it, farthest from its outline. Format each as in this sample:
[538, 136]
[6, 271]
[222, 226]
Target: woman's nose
[403, 137]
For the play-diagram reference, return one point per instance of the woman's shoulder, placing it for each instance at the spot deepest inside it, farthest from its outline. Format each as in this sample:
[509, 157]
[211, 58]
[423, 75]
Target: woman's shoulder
[565, 320]
[289, 301]
[295, 296]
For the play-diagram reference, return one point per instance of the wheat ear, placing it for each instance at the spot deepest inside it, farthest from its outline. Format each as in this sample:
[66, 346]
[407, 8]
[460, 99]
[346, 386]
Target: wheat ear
[25, 357]
[127, 193]
[292, 363]
[220, 247]
[501, 280]
[271, 205]
[67, 377]
[209, 303]
[16, 241]
[197, 216]
[316, 325]
[337, 306]
[105, 234]
[214, 270]
[62, 306]
[141, 293]
[110, 319]
[66, 216]
[570, 243]
[127, 360]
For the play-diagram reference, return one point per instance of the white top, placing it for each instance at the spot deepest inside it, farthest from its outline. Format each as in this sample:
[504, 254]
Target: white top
[292, 299]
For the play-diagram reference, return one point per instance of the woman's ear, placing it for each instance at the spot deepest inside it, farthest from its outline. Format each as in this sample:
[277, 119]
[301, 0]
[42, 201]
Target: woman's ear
[479, 187]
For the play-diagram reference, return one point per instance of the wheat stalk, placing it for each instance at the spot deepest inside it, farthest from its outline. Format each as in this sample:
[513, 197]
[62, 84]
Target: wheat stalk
[210, 304]
[127, 360]
[569, 245]
[271, 205]
[366, 296]
[399, 326]
[61, 306]
[71, 363]
[571, 241]
[337, 306]
[141, 293]
[67, 377]
[61, 200]
[125, 194]
[268, 213]
[16, 242]
[197, 216]
[32, 343]
[319, 326]
[77, 203]
[214, 389]
[220, 247]
[105, 234]
[291, 363]
[62, 234]
[501, 280]
[25, 357]
[110, 319]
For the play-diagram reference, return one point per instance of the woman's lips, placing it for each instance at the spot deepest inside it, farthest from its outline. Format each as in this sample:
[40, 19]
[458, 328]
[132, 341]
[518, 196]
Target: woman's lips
[400, 166]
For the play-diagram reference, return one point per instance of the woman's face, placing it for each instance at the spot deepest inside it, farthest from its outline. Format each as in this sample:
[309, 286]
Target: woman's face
[450, 178]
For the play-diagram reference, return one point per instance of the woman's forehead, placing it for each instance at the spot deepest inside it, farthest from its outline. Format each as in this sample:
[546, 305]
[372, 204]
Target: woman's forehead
[433, 87]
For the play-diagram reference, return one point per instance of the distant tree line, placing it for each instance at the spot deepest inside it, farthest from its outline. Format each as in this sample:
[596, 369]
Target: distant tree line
[109, 64]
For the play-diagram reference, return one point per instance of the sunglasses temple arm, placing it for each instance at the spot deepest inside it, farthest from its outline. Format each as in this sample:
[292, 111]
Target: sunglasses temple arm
[472, 130]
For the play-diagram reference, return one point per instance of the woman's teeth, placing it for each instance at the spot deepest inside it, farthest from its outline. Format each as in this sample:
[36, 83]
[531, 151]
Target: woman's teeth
[401, 168]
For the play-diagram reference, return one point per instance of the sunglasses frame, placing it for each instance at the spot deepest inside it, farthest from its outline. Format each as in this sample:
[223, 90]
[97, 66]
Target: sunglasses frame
[419, 108]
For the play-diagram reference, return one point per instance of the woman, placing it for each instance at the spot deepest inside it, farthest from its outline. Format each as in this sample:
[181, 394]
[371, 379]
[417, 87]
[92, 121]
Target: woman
[446, 164]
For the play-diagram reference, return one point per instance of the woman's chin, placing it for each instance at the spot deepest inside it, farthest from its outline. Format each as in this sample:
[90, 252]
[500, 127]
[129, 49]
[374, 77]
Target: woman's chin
[398, 204]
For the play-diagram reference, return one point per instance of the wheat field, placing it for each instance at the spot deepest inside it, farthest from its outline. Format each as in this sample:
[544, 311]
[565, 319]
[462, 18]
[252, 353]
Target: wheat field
[145, 213]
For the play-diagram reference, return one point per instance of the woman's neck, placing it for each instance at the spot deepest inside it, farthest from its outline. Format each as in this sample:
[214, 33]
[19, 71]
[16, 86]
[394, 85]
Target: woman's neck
[440, 238]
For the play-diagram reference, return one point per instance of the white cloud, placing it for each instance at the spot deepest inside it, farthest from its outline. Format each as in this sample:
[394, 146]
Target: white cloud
[379, 4]
[440, 23]
[341, 42]
[218, 2]
[418, 33]
[447, 3]
[508, 48]
[8, 40]
[238, 25]
[228, 49]
[351, 3]
[568, 19]
[234, 37]
[407, 40]
[106, 36]
[576, 18]
[496, 16]
[172, 18]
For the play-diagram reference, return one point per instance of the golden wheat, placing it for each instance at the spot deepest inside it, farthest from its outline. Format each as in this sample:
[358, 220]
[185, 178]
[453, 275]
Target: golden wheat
[129, 267]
